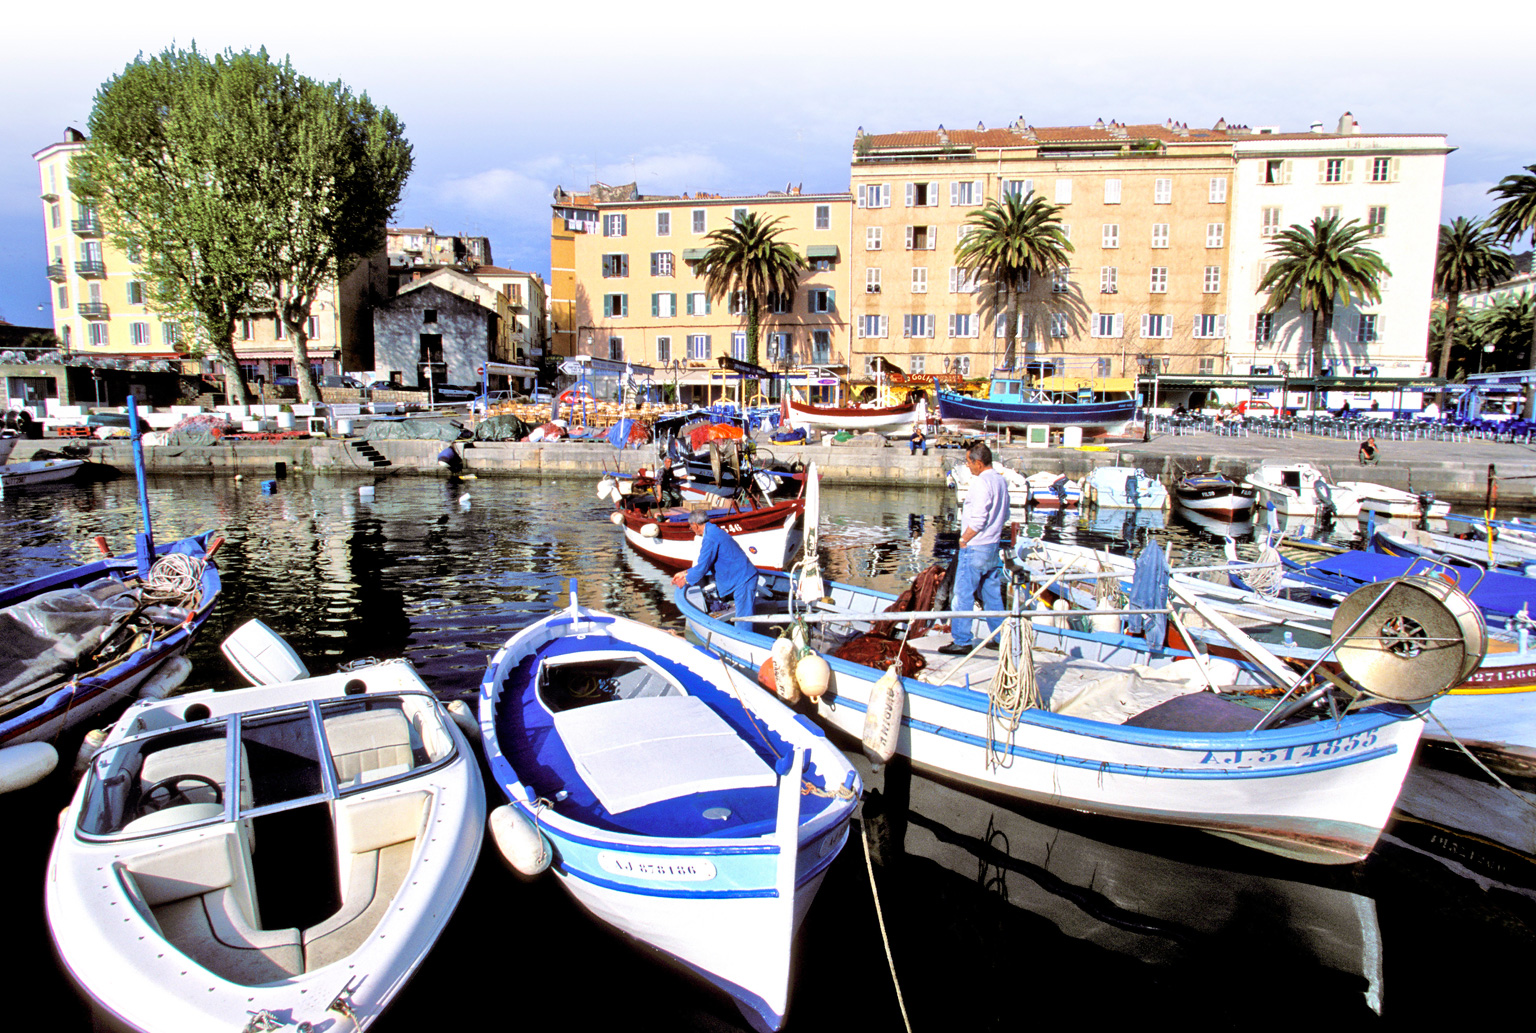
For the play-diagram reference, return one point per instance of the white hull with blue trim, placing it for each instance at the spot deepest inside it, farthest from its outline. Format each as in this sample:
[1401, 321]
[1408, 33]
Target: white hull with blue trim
[684, 806]
[1315, 790]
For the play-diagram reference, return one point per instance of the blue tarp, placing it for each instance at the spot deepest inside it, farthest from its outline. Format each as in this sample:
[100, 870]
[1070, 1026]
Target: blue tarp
[1149, 591]
[618, 435]
[1498, 594]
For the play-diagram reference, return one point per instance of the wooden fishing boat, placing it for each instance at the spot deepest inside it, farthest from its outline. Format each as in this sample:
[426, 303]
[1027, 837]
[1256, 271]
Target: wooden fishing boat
[78, 641]
[1096, 407]
[1215, 496]
[369, 810]
[827, 419]
[1507, 552]
[672, 798]
[1153, 748]
[1395, 502]
[770, 535]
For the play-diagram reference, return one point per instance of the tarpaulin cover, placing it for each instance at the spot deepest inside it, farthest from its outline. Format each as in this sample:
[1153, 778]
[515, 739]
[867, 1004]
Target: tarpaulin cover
[700, 436]
[628, 432]
[47, 639]
[201, 429]
[501, 428]
[430, 429]
[1497, 593]
[1149, 591]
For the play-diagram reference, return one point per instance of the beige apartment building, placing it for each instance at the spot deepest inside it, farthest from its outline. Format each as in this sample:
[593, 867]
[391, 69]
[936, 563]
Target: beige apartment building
[1146, 209]
[101, 305]
[624, 281]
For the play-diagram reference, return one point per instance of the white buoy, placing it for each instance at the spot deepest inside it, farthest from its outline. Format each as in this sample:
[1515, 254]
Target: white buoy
[93, 740]
[650, 531]
[166, 679]
[459, 711]
[616, 518]
[26, 764]
[882, 721]
[783, 656]
[524, 846]
[813, 674]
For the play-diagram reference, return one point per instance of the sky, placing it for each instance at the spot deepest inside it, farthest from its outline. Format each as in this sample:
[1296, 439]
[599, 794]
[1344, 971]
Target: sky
[503, 102]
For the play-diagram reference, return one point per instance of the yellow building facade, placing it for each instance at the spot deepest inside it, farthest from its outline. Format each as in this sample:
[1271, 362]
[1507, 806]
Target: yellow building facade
[100, 302]
[1146, 209]
[624, 283]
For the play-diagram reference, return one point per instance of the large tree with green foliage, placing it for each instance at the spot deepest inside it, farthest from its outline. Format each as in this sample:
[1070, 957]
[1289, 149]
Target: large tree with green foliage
[157, 169]
[748, 257]
[1515, 217]
[1318, 266]
[1004, 243]
[1468, 259]
[238, 181]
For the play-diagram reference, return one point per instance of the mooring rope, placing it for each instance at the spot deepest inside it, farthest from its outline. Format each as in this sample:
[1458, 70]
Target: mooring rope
[1013, 689]
[1485, 768]
[874, 891]
[176, 580]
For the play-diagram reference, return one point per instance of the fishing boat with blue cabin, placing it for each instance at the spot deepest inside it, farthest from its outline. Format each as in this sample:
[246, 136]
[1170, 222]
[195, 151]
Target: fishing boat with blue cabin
[672, 797]
[1042, 397]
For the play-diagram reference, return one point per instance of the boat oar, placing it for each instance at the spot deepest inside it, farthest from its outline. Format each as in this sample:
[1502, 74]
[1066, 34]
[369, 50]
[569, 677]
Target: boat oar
[1266, 660]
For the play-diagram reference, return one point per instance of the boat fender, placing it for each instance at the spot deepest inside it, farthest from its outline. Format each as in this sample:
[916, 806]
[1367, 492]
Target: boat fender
[93, 740]
[882, 721]
[459, 711]
[26, 764]
[616, 518]
[525, 848]
[813, 674]
[166, 679]
[649, 531]
[765, 675]
[783, 658]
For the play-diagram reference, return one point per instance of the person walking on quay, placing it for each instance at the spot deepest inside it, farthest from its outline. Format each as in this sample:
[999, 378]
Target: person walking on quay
[735, 576]
[979, 577]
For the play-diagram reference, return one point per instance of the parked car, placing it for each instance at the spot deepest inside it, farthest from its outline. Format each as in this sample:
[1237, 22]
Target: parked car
[542, 395]
[455, 393]
[383, 385]
[335, 381]
[482, 404]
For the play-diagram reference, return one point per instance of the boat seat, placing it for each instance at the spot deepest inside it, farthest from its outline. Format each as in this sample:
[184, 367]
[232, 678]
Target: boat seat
[199, 896]
[635, 752]
[376, 840]
[369, 745]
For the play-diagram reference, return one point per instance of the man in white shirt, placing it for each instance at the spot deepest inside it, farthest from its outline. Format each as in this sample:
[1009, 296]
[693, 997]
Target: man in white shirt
[979, 576]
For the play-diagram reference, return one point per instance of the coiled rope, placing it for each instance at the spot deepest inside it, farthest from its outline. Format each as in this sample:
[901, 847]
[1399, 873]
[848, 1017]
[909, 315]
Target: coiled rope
[1013, 689]
[176, 579]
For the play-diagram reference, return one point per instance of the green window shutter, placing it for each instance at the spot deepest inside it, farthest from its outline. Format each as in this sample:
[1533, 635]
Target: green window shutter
[655, 305]
[607, 265]
[707, 305]
[623, 304]
[690, 304]
[831, 300]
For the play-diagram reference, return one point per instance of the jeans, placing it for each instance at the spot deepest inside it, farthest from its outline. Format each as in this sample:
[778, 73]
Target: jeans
[745, 598]
[979, 576]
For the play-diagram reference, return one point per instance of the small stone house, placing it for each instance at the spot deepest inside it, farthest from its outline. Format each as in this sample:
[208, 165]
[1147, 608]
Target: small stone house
[441, 327]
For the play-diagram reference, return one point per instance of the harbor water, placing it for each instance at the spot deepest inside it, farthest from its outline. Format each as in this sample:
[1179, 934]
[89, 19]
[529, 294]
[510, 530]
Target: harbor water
[993, 914]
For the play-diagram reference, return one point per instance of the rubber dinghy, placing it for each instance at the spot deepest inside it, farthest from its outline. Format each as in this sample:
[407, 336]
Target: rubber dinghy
[674, 799]
[277, 858]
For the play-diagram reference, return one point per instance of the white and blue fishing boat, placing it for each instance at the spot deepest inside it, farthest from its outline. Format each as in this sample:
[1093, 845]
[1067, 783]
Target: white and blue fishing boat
[1096, 406]
[673, 798]
[1122, 727]
[1215, 497]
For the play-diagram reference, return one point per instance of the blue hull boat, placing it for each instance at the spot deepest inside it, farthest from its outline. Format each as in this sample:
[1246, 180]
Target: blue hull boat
[1096, 419]
[673, 798]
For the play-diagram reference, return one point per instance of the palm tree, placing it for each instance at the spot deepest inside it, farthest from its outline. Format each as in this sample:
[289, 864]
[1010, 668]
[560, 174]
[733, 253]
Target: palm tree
[1318, 265]
[1469, 259]
[1005, 242]
[1512, 219]
[749, 257]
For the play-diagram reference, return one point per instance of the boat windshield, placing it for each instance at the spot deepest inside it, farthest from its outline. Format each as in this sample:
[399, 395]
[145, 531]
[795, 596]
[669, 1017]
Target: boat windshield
[286, 757]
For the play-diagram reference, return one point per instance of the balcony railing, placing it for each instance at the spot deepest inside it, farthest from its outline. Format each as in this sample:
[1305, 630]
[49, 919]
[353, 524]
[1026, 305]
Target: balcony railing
[93, 310]
[90, 226]
[55, 270]
[90, 267]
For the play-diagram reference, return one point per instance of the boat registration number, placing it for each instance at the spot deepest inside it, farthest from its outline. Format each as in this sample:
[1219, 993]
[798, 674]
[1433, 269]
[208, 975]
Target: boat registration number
[1333, 747]
[652, 866]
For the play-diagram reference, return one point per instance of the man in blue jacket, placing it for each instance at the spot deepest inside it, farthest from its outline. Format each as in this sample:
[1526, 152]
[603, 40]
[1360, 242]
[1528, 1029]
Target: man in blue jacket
[735, 576]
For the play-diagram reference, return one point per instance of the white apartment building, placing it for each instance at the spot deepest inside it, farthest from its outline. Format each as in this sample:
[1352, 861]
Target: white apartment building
[1389, 182]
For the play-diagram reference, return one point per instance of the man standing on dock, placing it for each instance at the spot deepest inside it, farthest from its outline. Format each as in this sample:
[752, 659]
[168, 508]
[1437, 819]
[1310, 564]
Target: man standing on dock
[979, 577]
[735, 576]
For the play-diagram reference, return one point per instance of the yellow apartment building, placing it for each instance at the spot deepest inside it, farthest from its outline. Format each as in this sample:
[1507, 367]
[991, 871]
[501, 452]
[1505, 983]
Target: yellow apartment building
[1146, 208]
[624, 283]
[100, 305]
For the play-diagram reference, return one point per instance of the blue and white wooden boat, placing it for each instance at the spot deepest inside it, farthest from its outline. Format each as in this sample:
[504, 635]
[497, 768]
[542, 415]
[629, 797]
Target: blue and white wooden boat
[1013, 401]
[1215, 497]
[65, 652]
[1315, 789]
[681, 803]
[1124, 487]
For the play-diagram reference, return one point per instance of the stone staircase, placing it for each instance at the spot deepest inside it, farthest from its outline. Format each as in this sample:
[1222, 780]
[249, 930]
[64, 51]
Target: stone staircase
[368, 452]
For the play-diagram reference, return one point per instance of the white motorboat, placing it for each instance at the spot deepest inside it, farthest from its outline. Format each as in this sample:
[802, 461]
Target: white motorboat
[1396, 502]
[276, 858]
[42, 471]
[1300, 489]
[959, 478]
[7, 446]
[1124, 487]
